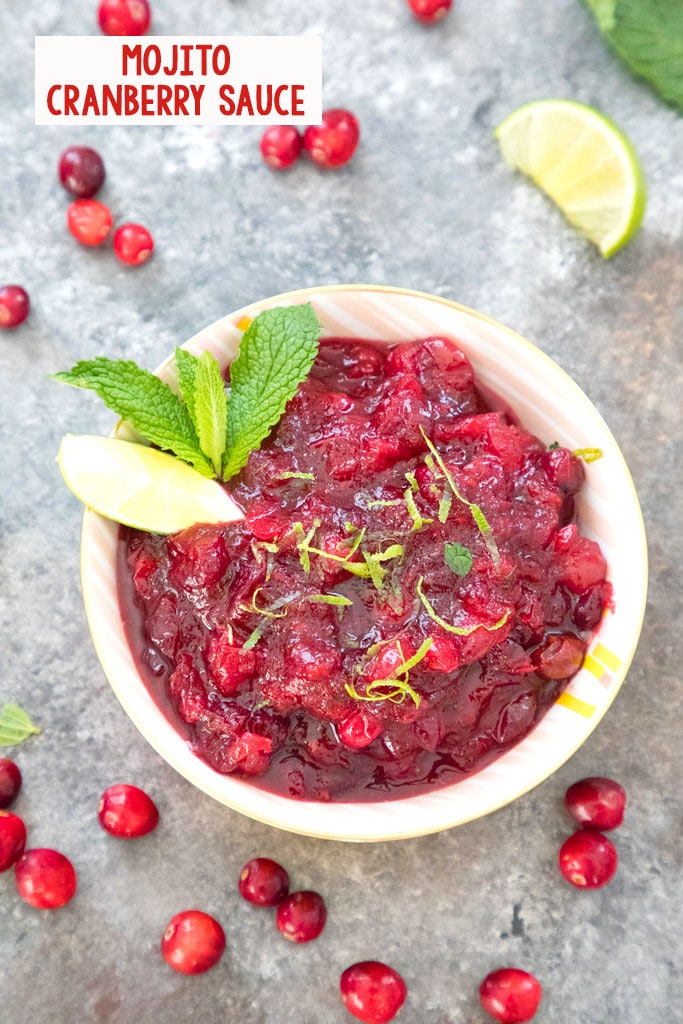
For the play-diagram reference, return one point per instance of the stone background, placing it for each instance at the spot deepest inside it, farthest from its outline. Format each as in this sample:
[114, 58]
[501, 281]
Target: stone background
[427, 203]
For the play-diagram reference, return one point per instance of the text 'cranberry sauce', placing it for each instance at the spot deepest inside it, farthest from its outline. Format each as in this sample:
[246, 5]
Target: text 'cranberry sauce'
[408, 593]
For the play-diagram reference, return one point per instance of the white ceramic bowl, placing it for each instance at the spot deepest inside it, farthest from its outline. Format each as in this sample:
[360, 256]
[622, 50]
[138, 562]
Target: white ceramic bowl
[550, 405]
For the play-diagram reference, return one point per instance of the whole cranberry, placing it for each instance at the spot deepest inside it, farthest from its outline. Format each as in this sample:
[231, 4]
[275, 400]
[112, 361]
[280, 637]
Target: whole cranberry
[333, 142]
[596, 803]
[127, 812]
[45, 878]
[301, 917]
[430, 11]
[10, 782]
[559, 656]
[124, 17]
[372, 991]
[511, 996]
[89, 221]
[14, 306]
[81, 171]
[133, 244]
[281, 146]
[12, 839]
[263, 882]
[193, 943]
[588, 860]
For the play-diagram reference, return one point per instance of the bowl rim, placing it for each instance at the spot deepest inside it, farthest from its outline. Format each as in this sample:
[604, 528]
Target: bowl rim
[270, 808]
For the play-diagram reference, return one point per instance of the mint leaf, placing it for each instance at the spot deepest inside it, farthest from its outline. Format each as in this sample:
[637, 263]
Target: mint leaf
[210, 411]
[145, 401]
[275, 355]
[186, 364]
[15, 725]
[648, 35]
[458, 558]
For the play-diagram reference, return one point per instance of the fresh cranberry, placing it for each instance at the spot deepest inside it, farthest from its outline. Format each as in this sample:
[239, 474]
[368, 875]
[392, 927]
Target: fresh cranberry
[45, 878]
[10, 782]
[281, 146]
[559, 656]
[14, 306]
[12, 839]
[588, 860]
[193, 943]
[358, 730]
[133, 244]
[591, 605]
[81, 171]
[430, 11]
[301, 917]
[229, 663]
[511, 996]
[333, 142]
[89, 221]
[127, 812]
[372, 991]
[263, 882]
[596, 803]
[124, 17]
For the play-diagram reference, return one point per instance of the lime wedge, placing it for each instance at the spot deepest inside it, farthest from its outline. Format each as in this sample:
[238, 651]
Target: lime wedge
[141, 487]
[583, 162]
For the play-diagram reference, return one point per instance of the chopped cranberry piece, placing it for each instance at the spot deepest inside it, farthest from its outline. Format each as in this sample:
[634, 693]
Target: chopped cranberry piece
[333, 143]
[402, 413]
[564, 470]
[510, 995]
[372, 991]
[430, 11]
[229, 663]
[444, 653]
[580, 560]
[124, 17]
[358, 730]
[281, 146]
[187, 690]
[589, 608]
[15, 306]
[263, 882]
[560, 656]
[251, 753]
[45, 878]
[127, 812]
[588, 860]
[12, 839]
[89, 221]
[10, 782]
[301, 917]
[313, 660]
[199, 556]
[133, 244]
[193, 943]
[81, 171]
[596, 803]
[163, 624]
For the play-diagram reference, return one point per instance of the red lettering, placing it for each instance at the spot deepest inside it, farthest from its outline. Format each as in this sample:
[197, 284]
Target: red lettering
[51, 91]
[278, 92]
[147, 100]
[131, 105]
[111, 101]
[226, 92]
[165, 93]
[71, 94]
[90, 104]
[221, 68]
[131, 53]
[152, 60]
[297, 101]
[197, 92]
[245, 101]
[204, 50]
[264, 108]
[181, 98]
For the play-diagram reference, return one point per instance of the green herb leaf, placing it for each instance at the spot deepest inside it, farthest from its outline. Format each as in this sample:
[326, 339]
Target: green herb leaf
[458, 558]
[276, 353]
[15, 725]
[146, 402]
[186, 364]
[458, 630]
[648, 36]
[210, 413]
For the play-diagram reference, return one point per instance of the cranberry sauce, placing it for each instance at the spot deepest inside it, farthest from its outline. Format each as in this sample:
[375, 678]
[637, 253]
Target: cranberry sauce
[408, 593]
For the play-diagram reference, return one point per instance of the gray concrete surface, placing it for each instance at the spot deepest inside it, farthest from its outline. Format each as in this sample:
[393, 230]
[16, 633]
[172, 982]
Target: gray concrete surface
[426, 203]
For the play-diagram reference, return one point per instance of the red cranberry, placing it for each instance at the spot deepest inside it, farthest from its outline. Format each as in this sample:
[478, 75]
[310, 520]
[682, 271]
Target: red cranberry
[45, 878]
[301, 917]
[430, 11]
[124, 17]
[193, 943]
[14, 306]
[333, 142]
[358, 731]
[127, 812]
[559, 656]
[89, 221]
[596, 803]
[372, 992]
[281, 146]
[133, 244]
[12, 839]
[588, 860]
[510, 995]
[263, 882]
[10, 782]
[81, 171]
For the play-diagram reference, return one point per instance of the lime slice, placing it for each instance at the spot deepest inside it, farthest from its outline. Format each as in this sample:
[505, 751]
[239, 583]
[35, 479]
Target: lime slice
[141, 487]
[583, 162]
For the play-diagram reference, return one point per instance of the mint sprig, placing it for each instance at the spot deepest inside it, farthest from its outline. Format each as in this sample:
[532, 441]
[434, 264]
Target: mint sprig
[458, 558]
[15, 725]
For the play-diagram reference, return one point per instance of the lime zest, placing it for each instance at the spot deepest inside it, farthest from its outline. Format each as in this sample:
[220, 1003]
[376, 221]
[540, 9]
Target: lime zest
[296, 476]
[334, 599]
[418, 520]
[588, 454]
[398, 689]
[444, 507]
[15, 726]
[304, 541]
[256, 635]
[458, 630]
[269, 612]
[378, 503]
[412, 480]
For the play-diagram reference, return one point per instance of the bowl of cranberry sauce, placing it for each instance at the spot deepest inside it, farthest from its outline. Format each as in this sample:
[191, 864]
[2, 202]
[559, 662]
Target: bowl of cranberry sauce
[433, 597]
